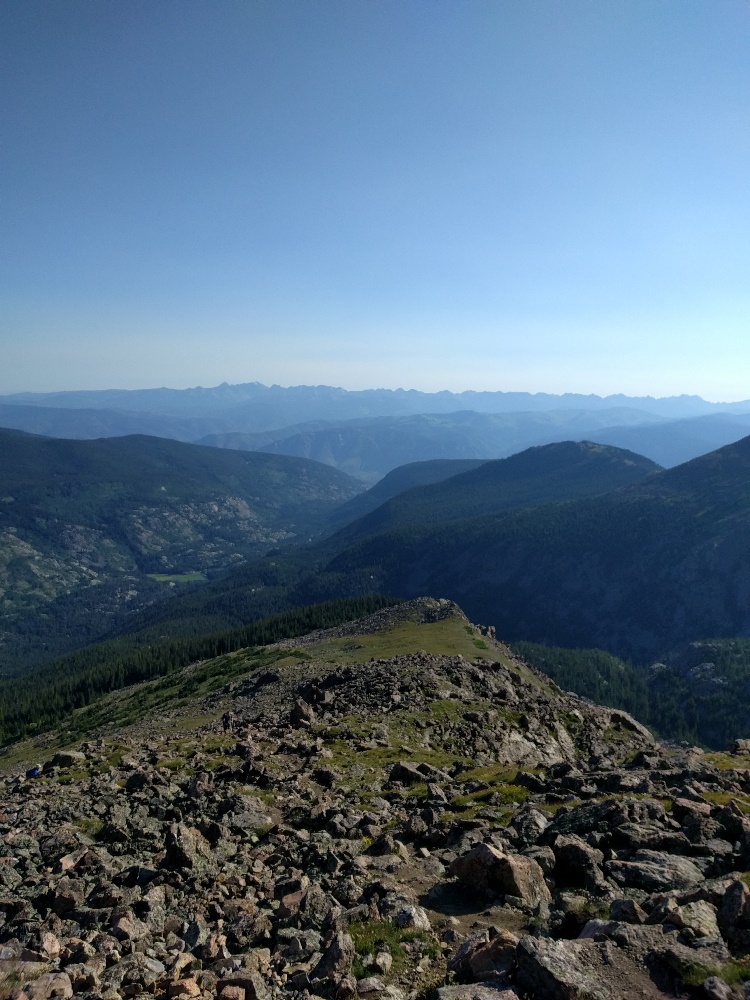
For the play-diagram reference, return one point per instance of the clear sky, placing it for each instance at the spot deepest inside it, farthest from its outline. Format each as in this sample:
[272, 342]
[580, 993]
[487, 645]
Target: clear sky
[544, 195]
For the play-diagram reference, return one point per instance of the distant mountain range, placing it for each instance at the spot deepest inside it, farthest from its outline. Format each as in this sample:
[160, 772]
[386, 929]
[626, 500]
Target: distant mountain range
[440, 520]
[368, 433]
[676, 441]
[370, 448]
[88, 424]
[280, 406]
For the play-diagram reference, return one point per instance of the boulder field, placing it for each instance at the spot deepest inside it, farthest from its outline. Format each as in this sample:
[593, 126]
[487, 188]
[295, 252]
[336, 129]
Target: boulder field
[403, 826]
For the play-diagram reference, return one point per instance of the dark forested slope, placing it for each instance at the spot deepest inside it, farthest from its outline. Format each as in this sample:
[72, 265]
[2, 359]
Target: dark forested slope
[635, 571]
[546, 474]
[86, 525]
[698, 692]
[405, 477]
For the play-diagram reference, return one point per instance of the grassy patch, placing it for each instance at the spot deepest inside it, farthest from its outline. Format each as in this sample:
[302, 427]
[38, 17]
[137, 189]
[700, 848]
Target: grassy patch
[217, 741]
[372, 936]
[501, 794]
[734, 973]
[129, 705]
[590, 910]
[174, 764]
[360, 763]
[68, 777]
[219, 761]
[552, 807]
[91, 827]
[724, 798]
[728, 762]
[115, 756]
[493, 773]
[448, 637]
[615, 733]
[444, 710]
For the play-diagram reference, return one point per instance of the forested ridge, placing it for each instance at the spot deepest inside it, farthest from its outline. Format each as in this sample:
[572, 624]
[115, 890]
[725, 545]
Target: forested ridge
[532, 478]
[91, 531]
[45, 697]
[699, 693]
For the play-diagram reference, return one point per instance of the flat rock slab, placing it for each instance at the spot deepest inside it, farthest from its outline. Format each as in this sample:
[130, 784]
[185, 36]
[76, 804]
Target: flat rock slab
[478, 991]
[656, 871]
[580, 970]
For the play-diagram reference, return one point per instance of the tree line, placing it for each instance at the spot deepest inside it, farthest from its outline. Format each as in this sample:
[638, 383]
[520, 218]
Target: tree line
[38, 701]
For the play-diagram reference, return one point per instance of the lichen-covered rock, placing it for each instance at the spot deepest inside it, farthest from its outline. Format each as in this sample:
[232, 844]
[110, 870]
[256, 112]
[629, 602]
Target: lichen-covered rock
[186, 847]
[247, 980]
[699, 917]
[476, 991]
[580, 970]
[577, 863]
[50, 984]
[627, 910]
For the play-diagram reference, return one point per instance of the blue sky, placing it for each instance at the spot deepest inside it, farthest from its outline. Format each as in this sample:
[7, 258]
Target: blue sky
[546, 195]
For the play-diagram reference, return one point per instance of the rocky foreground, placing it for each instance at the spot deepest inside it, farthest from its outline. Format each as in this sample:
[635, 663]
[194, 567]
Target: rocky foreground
[390, 827]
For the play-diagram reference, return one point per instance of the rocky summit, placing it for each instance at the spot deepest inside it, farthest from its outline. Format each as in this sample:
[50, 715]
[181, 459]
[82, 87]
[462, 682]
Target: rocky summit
[397, 808]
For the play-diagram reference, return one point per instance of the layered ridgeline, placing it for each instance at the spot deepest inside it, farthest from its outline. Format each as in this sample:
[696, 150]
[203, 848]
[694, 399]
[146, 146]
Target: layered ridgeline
[636, 571]
[672, 442]
[649, 571]
[393, 807]
[369, 432]
[405, 477]
[371, 448]
[293, 578]
[547, 474]
[87, 424]
[89, 529]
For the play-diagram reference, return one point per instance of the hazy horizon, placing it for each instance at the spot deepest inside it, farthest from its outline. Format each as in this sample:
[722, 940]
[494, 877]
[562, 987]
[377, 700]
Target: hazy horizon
[369, 388]
[525, 196]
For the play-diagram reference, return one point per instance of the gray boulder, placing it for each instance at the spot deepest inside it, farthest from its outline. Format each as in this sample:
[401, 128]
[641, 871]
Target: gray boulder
[656, 871]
